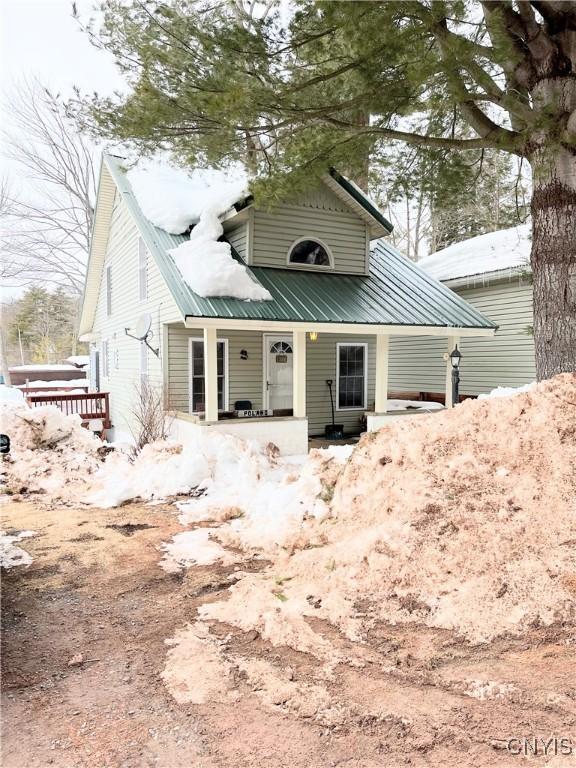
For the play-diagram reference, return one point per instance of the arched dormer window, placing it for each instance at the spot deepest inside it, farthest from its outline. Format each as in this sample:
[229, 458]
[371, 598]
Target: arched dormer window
[309, 252]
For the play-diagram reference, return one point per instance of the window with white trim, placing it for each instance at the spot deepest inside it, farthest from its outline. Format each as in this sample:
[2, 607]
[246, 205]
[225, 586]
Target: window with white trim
[197, 390]
[351, 376]
[104, 360]
[108, 291]
[309, 252]
[142, 270]
[143, 363]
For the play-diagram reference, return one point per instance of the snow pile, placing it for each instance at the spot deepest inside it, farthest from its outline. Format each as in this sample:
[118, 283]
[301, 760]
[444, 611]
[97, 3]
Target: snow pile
[464, 520]
[507, 391]
[173, 200]
[10, 394]
[208, 267]
[166, 469]
[263, 499]
[505, 249]
[10, 554]
[50, 452]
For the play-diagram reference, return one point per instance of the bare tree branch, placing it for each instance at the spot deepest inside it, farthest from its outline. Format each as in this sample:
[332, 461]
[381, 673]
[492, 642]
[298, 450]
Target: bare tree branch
[47, 223]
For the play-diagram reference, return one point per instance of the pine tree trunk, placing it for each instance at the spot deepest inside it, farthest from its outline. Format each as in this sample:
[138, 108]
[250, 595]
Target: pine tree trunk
[554, 260]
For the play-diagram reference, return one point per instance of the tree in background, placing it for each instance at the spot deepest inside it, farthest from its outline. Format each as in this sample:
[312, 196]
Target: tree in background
[47, 223]
[40, 326]
[343, 79]
[435, 198]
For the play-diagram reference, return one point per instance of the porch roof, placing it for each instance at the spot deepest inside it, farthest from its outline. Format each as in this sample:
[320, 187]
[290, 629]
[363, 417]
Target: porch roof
[396, 292]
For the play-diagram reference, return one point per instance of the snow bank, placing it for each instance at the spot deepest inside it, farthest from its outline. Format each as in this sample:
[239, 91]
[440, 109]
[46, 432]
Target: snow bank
[50, 453]
[10, 554]
[505, 249]
[174, 200]
[507, 391]
[463, 520]
[208, 267]
[10, 394]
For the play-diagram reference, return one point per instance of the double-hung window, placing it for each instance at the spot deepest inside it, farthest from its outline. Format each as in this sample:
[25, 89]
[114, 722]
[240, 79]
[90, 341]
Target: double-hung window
[142, 270]
[351, 376]
[197, 390]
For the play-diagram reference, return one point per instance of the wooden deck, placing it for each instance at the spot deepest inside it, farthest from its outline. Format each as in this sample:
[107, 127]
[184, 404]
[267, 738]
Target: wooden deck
[90, 406]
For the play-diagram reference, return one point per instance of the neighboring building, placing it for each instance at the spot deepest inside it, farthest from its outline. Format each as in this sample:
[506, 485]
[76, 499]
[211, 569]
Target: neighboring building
[492, 273]
[45, 373]
[325, 308]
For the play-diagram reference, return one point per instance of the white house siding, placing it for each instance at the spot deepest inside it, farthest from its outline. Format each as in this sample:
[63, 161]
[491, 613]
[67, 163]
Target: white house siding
[237, 236]
[246, 376]
[507, 359]
[124, 352]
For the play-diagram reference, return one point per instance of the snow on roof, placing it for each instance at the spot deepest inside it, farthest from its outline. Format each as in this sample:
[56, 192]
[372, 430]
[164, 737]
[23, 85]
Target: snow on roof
[493, 252]
[173, 199]
[207, 265]
[78, 361]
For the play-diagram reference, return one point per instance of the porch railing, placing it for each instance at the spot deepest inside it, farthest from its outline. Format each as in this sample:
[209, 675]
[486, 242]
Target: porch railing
[88, 405]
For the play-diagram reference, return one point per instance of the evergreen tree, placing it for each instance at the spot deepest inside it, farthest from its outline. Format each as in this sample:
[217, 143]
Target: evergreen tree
[346, 78]
[42, 325]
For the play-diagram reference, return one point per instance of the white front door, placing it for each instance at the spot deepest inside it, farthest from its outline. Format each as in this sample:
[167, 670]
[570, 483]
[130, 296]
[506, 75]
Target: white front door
[278, 361]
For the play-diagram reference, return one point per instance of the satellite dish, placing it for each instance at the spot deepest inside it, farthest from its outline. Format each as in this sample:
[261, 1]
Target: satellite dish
[143, 325]
[143, 331]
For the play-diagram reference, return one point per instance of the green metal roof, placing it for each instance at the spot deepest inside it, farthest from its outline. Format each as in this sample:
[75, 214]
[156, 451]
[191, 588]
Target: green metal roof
[396, 292]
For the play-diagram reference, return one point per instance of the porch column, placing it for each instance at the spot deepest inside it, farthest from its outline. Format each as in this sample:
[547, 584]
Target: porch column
[210, 375]
[452, 342]
[299, 373]
[381, 384]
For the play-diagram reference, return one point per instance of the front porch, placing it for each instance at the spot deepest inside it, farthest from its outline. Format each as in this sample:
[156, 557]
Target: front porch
[267, 382]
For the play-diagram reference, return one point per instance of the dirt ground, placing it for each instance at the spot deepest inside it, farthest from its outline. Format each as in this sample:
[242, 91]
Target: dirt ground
[95, 588]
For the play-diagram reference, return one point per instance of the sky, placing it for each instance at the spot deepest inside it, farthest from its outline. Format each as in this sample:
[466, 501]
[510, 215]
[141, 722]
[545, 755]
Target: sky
[39, 38]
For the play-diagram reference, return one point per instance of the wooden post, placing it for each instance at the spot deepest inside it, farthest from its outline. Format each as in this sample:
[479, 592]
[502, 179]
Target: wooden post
[452, 342]
[299, 373]
[210, 375]
[381, 385]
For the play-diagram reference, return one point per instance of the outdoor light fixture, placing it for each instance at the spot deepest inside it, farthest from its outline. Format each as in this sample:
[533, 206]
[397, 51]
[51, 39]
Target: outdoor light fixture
[455, 358]
[313, 336]
[243, 354]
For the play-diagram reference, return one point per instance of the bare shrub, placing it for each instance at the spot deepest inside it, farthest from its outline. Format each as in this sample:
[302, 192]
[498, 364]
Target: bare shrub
[151, 418]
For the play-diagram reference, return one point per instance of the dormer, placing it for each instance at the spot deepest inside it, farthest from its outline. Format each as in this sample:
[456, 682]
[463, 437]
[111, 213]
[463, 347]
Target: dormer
[326, 229]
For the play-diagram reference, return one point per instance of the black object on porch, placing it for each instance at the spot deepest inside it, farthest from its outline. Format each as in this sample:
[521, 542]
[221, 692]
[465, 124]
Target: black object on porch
[333, 431]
